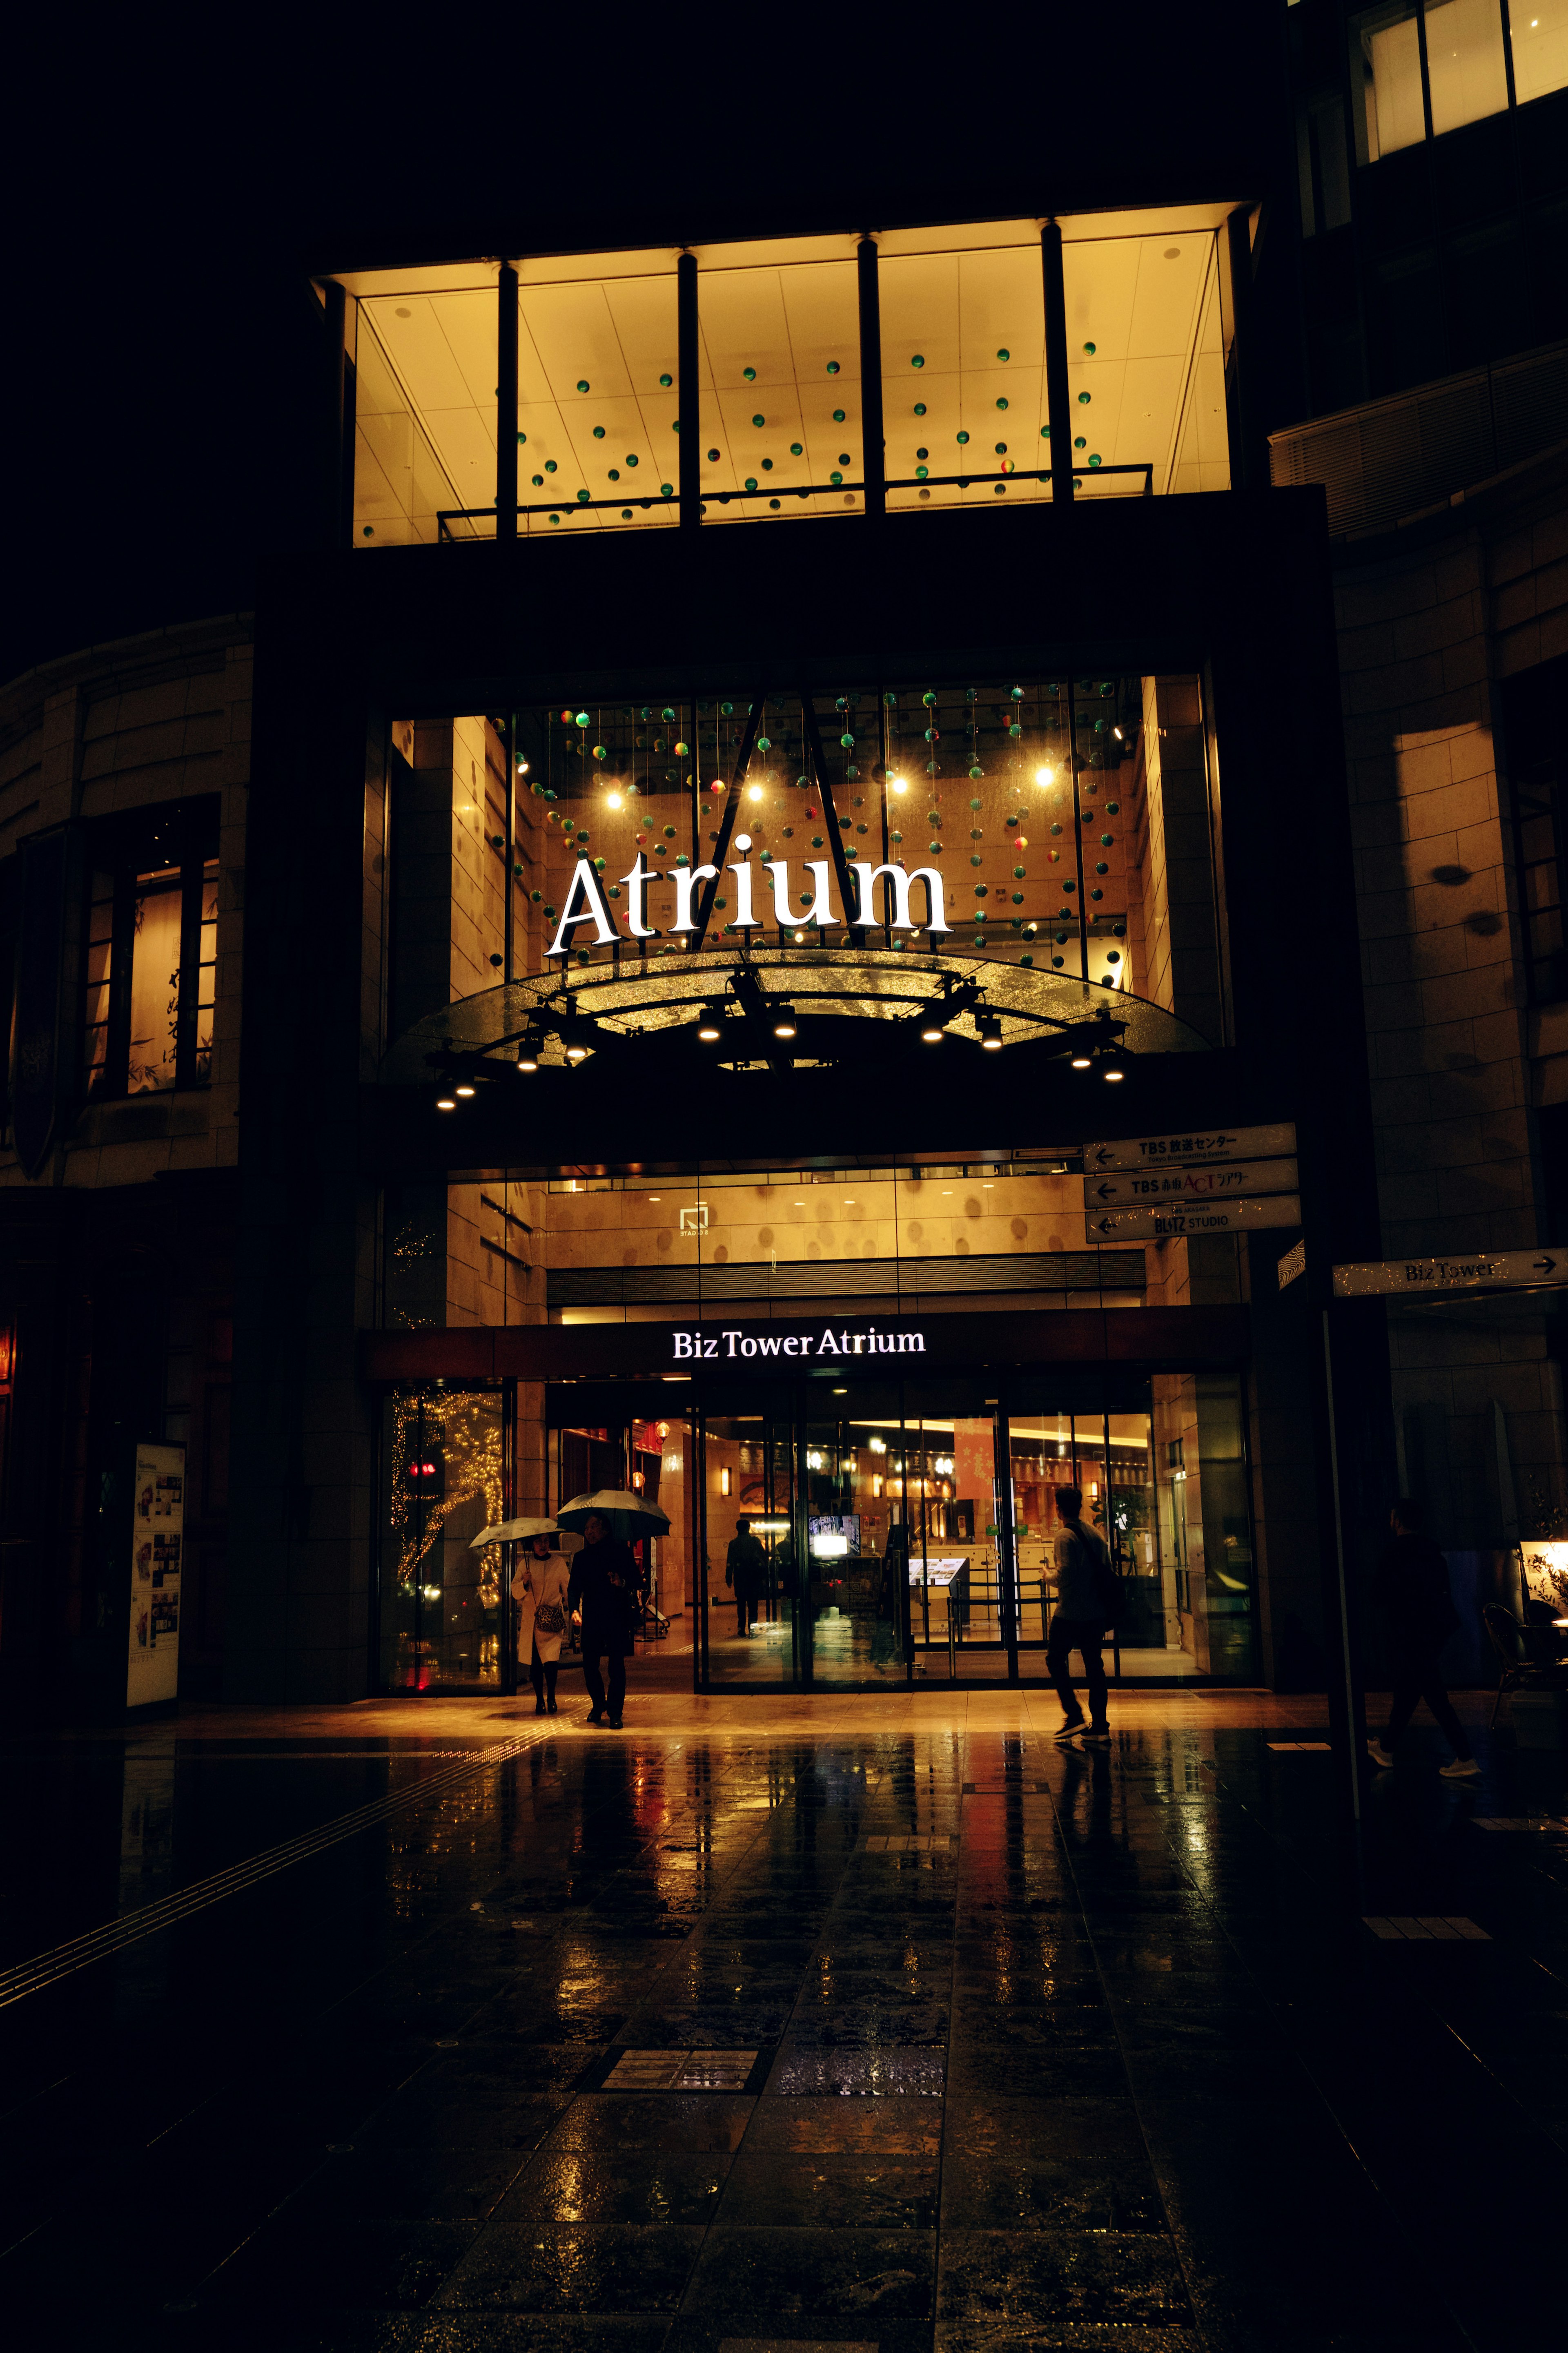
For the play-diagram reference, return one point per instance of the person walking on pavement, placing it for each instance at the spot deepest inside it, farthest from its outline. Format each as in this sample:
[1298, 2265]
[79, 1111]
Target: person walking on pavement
[540, 1589]
[603, 1599]
[746, 1568]
[1413, 1585]
[1082, 1615]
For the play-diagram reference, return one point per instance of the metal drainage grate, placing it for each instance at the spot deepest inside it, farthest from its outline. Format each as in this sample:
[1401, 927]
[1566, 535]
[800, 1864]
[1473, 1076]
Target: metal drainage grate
[681, 2071]
[1426, 1930]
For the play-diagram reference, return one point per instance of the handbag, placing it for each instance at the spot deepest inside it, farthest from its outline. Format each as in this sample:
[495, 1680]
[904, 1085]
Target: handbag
[549, 1617]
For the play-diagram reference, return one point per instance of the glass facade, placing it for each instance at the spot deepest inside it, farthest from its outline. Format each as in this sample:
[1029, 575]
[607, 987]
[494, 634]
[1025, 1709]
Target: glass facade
[779, 407]
[1421, 67]
[150, 952]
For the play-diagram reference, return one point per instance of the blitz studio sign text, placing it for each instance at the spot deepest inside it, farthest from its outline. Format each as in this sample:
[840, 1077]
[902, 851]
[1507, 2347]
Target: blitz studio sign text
[735, 1344]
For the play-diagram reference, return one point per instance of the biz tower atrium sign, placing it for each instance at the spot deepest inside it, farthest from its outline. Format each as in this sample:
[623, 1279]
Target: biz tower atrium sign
[586, 903]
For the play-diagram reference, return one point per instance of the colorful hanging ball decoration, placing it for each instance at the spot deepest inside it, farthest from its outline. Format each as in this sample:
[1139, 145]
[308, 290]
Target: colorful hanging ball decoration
[713, 456]
[764, 744]
[833, 367]
[796, 449]
[749, 374]
[1090, 349]
[847, 741]
[1002, 402]
[582, 383]
[599, 753]
[977, 772]
[759, 422]
[919, 409]
[837, 480]
[1003, 353]
[1083, 400]
[962, 438]
[581, 720]
[929, 698]
[918, 360]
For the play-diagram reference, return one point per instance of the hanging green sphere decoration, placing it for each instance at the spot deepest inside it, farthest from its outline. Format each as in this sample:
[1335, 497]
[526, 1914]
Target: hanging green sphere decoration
[983, 890]
[1002, 404]
[599, 753]
[749, 374]
[598, 432]
[1114, 808]
[713, 456]
[1083, 400]
[977, 861]
[1001, 449]
[920, 473]
[1090, 349]
[630, 459]
[521, 439]
[1003, 353]
[1017, 898]
[919, 409]
[669, 833]
[847, 741]
[764, 744]
[1094, 458]
[751, 481]
[582, 496]
[976, 802]
[539, 482]
[1113, 956]
[837, 480]
[833, 367]
[614, 474]
[1015, 730]
[796, 449]
[977, 772]
[1017, 873]
[1105, 840]
[582, 383]
[933, 735]
[667, 381]
[667, 490]
[963, 436]
[759, 422]
[1078, 442]
[581, 719]
[918, 360]
[923, 453]
[550, 464]
[1100, 868]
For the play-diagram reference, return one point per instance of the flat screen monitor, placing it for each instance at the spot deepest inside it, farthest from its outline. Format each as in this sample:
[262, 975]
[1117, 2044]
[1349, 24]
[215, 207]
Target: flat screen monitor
[835, 1536]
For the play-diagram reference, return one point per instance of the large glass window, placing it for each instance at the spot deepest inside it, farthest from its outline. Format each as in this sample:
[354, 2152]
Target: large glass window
[444, 1607]
[1465, 61]
[1538, 36]
[149, 957]
[1387, 57]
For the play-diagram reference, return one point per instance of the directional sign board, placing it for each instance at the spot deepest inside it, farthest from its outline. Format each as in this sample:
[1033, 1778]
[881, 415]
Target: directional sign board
[1194, 1148]
[1178, 1188]
[1487, 1270]
[1159, 1225]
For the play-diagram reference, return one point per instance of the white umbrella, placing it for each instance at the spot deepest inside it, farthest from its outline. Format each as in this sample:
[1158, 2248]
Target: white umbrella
[634, 1515]
[510, 1531]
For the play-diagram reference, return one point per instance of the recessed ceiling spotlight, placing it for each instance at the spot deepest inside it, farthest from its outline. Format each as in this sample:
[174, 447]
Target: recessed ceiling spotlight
[784, 1021]
[464, 1087]
[445, 1102]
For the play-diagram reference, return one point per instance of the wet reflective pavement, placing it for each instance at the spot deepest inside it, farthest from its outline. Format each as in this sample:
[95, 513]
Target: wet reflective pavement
[923, 2033]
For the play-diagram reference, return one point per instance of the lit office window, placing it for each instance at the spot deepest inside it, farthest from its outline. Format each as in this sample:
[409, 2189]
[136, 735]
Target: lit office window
[1392, 113]
[1465, 68]
[149, 953]
[1538, 33]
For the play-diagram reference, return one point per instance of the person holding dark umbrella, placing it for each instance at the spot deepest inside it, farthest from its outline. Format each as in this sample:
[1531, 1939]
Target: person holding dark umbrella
[603, 1598]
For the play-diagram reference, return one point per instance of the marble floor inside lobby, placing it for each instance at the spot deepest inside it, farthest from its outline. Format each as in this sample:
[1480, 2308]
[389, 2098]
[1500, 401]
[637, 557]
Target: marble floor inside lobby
[779, 2021]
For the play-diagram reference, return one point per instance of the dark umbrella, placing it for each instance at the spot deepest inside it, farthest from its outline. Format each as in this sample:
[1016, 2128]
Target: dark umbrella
[629, 1515]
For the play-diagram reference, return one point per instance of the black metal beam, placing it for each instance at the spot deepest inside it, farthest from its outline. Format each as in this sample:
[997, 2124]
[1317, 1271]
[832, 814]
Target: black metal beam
[726, 823]
[506, 403]
[835, 831]
[873, 461]
[334, 387]
[689, 382]
[1058, 398]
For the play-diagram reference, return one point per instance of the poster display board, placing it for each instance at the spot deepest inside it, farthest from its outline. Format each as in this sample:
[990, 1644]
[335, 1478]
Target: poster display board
[157, 1543]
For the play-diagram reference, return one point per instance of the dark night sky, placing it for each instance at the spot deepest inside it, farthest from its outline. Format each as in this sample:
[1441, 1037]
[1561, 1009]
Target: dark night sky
[162, 220]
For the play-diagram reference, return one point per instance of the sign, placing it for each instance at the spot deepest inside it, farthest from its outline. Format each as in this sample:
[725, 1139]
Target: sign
[1192, 1149]
[157, 1541]
[1293, 1263]
[1206, 1217]
[1488, 1270]
[586, 902]
[731, 1344]
[1182, 1188]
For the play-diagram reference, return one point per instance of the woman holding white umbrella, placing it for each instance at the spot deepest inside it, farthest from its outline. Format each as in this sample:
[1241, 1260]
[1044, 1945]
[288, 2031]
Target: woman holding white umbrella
[539, 1590]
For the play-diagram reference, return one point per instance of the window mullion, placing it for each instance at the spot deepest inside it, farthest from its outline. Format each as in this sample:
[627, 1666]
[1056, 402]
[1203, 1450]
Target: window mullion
[1426, 76]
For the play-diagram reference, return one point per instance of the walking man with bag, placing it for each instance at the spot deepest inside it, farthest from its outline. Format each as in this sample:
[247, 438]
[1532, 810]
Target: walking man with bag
[604, 1599]
[1086, 1604]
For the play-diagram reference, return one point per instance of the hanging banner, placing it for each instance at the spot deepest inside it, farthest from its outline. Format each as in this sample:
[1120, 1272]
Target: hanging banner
[157, 1543]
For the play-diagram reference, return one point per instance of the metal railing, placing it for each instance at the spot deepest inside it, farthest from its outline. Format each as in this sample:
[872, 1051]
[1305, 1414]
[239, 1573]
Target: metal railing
[667, 500]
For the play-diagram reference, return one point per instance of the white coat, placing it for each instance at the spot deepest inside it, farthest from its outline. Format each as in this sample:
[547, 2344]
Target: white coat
[535, 1581]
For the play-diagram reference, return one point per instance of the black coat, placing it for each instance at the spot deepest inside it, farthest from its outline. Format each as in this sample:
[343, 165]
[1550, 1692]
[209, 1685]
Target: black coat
[607, 1587]
[746, 1568]
[1413, 1585]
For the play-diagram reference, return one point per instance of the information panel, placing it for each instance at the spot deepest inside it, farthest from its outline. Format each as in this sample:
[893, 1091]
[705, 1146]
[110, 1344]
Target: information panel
[157, 1546]
[1210, 1218]
[1196, 1148]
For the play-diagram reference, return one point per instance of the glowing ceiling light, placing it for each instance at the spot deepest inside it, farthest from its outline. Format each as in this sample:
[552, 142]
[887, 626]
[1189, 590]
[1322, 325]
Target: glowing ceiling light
[576, 1053]
[754, 792]
[445, 1102]
[612, 800]
[463, 1088]
[1042, 776]
[898, 784]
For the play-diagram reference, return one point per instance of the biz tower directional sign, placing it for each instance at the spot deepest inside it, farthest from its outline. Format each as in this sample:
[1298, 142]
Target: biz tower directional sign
[1214, 1181]
[1415, 1278]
